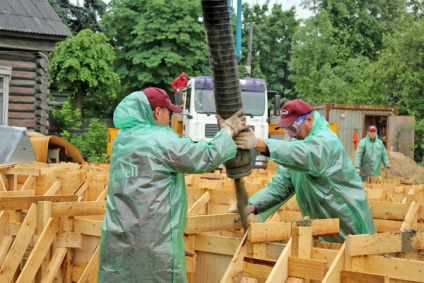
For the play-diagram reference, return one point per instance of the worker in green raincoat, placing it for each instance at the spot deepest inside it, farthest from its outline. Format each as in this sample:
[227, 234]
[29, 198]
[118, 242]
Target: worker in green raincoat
[316, 168]
[370, 154]
[146, 207]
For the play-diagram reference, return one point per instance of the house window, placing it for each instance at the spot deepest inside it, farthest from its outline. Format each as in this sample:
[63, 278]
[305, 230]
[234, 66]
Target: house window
[5, 75]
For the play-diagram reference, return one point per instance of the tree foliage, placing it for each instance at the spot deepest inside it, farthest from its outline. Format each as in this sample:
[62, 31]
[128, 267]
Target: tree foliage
[156, 40]
[272, 36]
[78, 17]
[84, 64]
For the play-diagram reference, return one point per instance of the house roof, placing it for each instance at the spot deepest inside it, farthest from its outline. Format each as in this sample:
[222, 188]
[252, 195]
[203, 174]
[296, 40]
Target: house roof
[31, 16]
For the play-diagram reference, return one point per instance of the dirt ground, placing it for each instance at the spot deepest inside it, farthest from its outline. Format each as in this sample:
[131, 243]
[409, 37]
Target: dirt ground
[402, 166]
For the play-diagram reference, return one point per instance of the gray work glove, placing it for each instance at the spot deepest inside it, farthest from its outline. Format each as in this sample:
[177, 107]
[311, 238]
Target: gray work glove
[358, 170]
[248, 209]
[233, 125]
[246, 140]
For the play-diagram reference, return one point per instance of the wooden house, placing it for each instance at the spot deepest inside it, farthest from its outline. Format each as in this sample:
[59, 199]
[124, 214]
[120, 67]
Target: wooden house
[28, 31]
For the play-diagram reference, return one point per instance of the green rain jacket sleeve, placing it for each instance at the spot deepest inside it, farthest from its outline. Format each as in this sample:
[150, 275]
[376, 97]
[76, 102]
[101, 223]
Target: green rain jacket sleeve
[386, 160]
[359, 153]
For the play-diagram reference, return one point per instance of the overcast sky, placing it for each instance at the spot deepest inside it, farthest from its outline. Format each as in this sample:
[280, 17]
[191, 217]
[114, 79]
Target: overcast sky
[287, 4]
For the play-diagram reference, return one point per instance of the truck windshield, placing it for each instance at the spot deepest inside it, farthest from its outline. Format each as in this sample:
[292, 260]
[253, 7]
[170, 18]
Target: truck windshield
[253, 102]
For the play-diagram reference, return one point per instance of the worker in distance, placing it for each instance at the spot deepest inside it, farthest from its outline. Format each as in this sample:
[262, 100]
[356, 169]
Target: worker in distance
[314, 166]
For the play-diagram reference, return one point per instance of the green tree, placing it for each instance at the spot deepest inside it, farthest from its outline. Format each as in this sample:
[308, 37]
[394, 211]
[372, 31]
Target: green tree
[272, 36]
[397, 78]
[156, 40]
[77, 17]
[84, 64]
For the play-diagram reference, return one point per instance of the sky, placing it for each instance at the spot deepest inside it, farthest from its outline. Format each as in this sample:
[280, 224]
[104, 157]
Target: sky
[287, 4]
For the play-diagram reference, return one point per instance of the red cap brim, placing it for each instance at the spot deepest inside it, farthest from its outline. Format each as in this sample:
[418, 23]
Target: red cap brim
[286, 122]
[172, 107]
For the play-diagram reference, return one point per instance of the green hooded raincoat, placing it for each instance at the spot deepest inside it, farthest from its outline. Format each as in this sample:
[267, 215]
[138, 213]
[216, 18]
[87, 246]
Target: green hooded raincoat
[320, 173]
[142, 233]
[369, 156]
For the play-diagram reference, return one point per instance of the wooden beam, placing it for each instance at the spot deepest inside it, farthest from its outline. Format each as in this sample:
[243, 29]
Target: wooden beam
[204, 223]
[16, 193]
[395, 268]
[388, 210]
[5, 244]
[257, 268]
[54, 265]
[90, 271]
[217, 244]
[280, 271]
[234, 271]
[19, 246]
[333, 273]
[88, 227]
[29, 184]
[23, 203]
[54, 188]
[69, 240]
[201, 202]
[278, 231]
[347, 276]
[71, 209]
[404, 241]
[410, 221]
[23, 171]
[39, 252]
[307, 268]
[302, 242]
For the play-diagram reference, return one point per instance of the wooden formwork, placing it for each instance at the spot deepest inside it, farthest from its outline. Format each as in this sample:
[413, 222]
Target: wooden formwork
[50, 222]
[50, 225]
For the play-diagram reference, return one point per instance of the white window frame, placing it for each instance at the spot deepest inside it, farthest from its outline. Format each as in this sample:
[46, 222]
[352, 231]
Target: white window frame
[6, 73]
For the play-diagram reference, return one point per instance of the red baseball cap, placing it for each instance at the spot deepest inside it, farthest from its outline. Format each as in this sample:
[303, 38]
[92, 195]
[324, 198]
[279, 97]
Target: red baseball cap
[158, 98]
[291, 111]
[372, 128]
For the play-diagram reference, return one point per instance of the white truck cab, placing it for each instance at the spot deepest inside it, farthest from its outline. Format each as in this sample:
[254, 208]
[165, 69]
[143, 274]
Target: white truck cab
[199, 113]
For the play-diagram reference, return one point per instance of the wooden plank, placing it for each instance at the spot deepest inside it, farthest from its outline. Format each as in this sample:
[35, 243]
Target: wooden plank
[19, 246]
[2, 184]
[29, 184]
[23, 203]
[5, 244]
[69, 240]
[257, 268]
[200, 203]
[302, 242]
[333, 273]
[278, 231]
[404, 241]
[54, 188]
[39, 252]
[23, 171]
[88, 227]
[54, 265]
[307, 268]
[395, 268]
[90, 271]
[410, 221]
[388, 210]
[190, 262]
[280, 271]
[234, 271]
[217, 244]
[16, 194]
[387, 225]
[347, 276]
[71, 209]
[204, 223]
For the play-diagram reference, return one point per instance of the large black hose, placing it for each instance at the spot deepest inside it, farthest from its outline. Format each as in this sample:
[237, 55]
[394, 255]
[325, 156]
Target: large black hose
[226, 84]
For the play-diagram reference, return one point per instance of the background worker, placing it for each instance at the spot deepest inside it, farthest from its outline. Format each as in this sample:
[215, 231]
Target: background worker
[179, 82]
[316, 168]
[146, 207]
[370, 154]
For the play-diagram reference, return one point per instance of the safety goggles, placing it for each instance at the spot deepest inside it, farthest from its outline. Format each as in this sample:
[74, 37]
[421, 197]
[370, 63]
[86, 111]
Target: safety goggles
[296, 127]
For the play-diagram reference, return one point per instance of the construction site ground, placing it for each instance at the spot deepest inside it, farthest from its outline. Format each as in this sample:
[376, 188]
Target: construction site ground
[51, 216]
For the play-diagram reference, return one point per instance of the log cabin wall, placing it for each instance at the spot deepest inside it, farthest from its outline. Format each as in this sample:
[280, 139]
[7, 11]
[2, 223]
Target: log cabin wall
[29, 30]
[28, 89]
